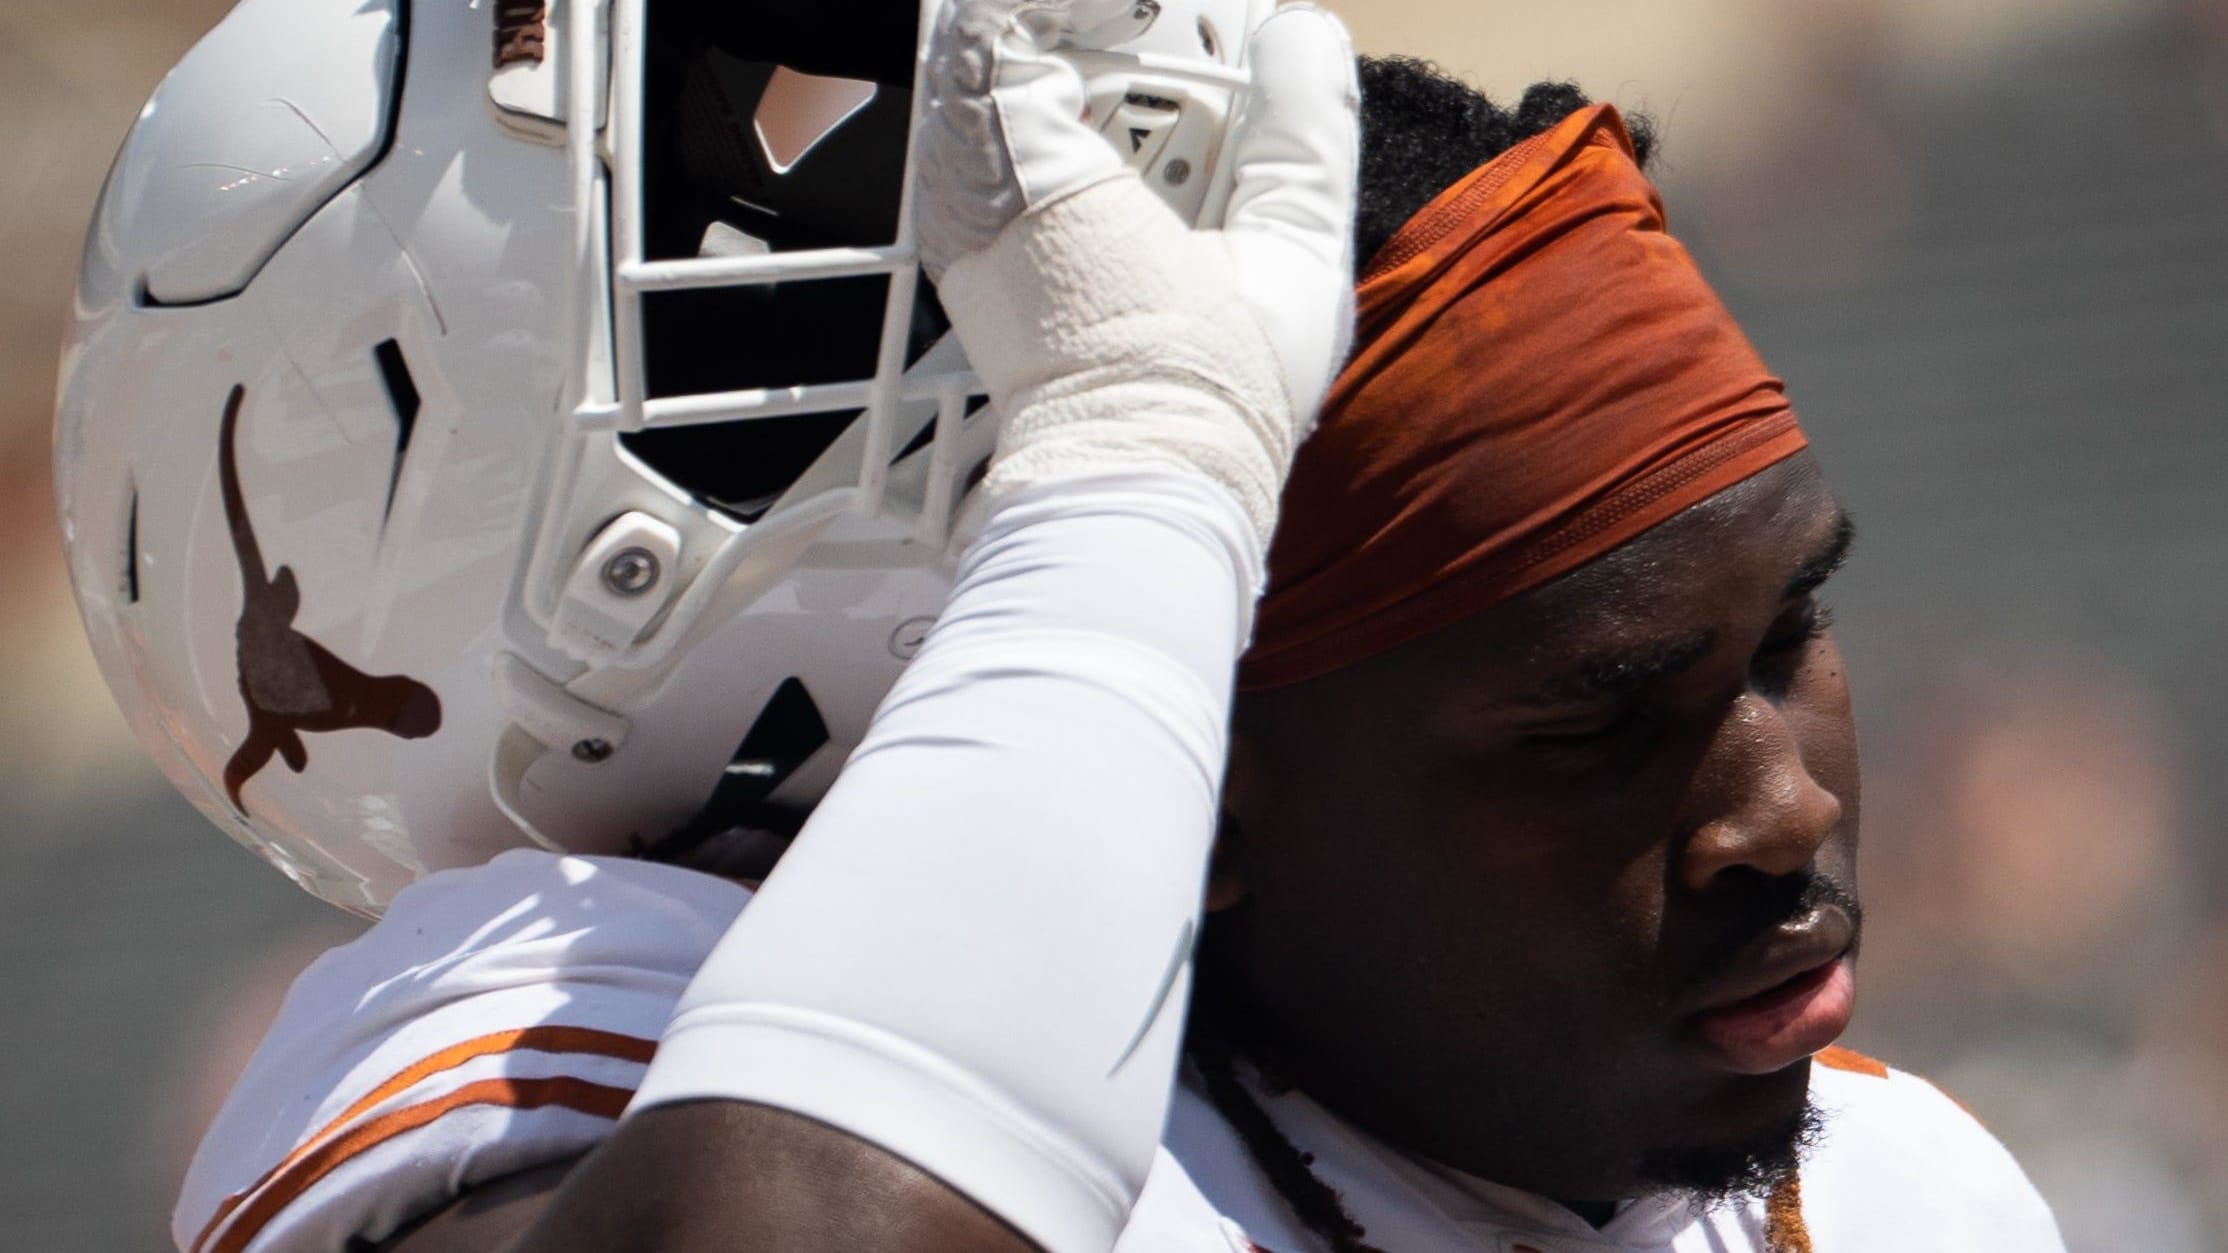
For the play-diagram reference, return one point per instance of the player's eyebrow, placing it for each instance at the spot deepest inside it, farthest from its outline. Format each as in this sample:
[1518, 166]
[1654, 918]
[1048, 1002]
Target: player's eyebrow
[1830, 557]
[1611, 675]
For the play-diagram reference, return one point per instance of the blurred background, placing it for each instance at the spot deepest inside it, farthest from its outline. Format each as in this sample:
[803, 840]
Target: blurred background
[1986, 241]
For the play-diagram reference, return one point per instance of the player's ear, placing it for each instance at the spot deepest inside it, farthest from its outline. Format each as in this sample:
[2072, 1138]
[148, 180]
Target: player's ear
[1225, 882]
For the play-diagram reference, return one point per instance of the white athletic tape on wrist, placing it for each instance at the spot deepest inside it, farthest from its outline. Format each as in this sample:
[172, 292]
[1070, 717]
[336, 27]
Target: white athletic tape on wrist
[1111, 338]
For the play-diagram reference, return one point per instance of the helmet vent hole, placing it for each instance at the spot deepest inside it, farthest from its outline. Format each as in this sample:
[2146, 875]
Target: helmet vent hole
[131, 549]
[789, 729]
[1208, 40]
[402, 395]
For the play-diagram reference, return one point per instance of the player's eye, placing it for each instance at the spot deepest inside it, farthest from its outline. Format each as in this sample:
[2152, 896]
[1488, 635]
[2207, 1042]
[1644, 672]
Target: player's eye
[1607, 727]
[1797, 628]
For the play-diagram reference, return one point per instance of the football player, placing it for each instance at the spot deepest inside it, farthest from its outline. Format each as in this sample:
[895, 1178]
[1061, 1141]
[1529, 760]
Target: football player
[1532, 909]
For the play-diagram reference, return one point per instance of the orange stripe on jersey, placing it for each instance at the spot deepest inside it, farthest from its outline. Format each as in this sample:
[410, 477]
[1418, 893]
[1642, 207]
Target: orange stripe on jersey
[1784, 1229]
[595, 1099]
[544, 1039]
[1855, 1063]
[1858, 1063]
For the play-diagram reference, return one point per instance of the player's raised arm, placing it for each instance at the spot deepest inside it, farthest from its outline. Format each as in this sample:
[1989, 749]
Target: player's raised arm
[964, 986]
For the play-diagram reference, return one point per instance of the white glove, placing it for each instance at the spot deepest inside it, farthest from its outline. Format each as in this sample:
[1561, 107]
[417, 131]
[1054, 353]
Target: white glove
[1111, 336]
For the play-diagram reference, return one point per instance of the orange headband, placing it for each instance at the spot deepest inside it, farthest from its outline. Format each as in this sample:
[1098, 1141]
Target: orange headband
[1540, 374]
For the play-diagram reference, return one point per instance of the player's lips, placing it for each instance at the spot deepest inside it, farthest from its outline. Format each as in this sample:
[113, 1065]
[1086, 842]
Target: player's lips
[1790, 995]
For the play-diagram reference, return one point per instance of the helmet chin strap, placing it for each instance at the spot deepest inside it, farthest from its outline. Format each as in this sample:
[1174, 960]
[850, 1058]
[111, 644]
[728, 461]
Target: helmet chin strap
[741, 830]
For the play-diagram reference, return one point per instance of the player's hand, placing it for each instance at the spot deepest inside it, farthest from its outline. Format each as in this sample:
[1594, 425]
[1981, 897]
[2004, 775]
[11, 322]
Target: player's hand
[1004, 130]
[1109, 332]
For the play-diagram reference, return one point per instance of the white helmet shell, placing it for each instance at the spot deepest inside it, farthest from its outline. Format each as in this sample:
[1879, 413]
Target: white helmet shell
[358, 445]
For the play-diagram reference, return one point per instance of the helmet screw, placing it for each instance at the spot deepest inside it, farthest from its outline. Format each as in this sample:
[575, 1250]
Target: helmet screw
[592, 751]
[1145, 11]
[909, 636]
[631, 572]
[1177, 172]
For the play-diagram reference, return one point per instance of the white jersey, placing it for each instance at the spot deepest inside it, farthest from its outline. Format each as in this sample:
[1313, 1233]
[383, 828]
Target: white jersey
[500, 1018]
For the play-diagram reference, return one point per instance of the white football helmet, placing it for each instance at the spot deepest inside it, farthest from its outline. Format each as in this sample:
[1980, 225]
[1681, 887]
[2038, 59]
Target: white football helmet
[555, 447]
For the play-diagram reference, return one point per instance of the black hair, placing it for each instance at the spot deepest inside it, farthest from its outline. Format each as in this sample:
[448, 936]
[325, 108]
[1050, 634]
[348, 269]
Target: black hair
[1422, 131]
[1217, 1059]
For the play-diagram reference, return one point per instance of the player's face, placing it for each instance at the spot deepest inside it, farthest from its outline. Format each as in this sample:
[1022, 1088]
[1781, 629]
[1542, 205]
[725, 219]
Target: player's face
[1563, 895]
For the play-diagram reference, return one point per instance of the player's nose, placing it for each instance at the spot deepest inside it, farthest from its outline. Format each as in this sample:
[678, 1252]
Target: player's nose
[1760, 806]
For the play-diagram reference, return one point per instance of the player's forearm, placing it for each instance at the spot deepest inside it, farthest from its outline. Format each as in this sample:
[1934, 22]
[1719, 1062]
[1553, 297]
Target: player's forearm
[725, 1176]
[715, 1176]
[976, 954]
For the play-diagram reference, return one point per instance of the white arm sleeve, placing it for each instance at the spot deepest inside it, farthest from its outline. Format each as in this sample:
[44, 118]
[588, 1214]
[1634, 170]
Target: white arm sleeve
[977, 954]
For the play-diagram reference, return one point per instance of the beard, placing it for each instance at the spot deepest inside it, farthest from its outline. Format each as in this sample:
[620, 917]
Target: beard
[1729, 1173]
